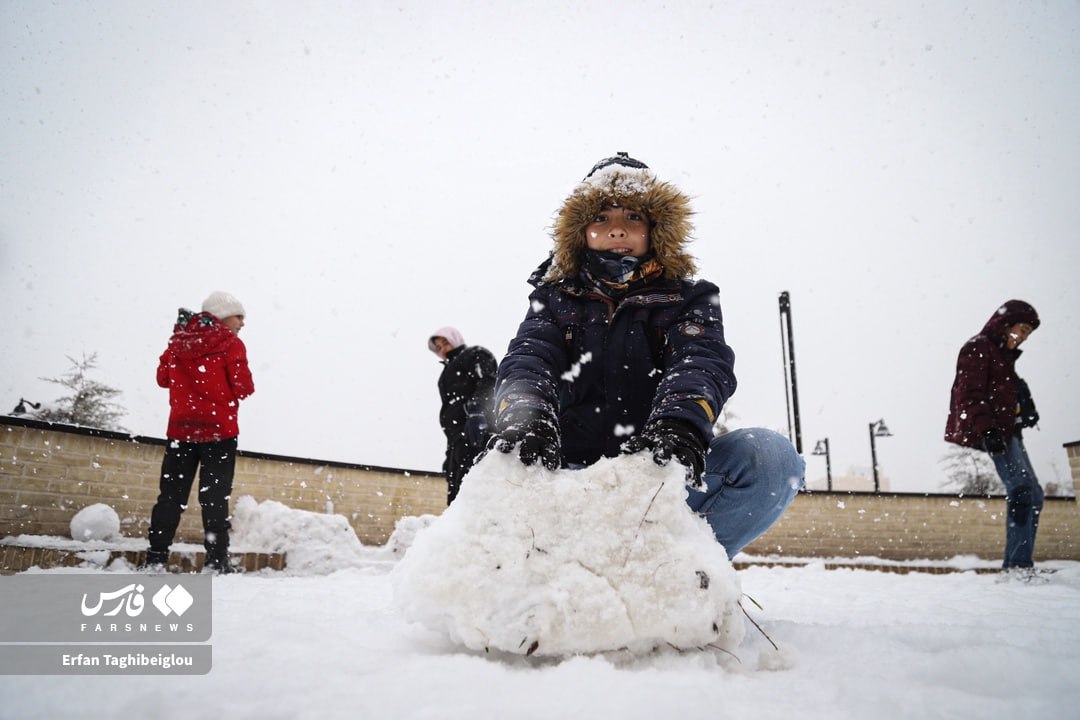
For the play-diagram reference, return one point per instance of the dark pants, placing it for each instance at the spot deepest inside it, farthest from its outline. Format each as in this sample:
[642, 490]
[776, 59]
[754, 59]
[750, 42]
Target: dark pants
[460, 457]
[216, 462]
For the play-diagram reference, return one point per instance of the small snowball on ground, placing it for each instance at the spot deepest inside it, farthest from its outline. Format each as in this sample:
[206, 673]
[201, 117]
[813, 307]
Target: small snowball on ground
[782, 657]
[95, 522]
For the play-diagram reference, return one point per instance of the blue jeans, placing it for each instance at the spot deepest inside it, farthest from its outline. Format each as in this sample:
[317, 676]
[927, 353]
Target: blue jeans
[1023, 503]
[751, 476]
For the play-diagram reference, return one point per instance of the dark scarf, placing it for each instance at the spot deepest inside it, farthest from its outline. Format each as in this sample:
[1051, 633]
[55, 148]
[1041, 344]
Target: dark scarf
[616, 275]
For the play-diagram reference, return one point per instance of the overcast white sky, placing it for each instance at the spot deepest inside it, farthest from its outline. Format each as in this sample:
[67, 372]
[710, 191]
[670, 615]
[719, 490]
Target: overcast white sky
[359, 174]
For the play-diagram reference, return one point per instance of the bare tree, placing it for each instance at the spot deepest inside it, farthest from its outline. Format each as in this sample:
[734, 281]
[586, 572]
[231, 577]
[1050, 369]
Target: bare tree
[91, 402]
[971, 472]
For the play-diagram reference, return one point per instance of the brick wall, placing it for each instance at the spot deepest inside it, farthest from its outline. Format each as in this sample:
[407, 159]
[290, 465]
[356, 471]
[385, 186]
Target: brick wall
[1072, 450]
[49, 472]
[900, 526]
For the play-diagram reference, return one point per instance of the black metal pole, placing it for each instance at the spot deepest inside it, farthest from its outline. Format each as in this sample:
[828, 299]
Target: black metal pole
[793, 410]
[873, 456]
[828, 466]
[784, 363]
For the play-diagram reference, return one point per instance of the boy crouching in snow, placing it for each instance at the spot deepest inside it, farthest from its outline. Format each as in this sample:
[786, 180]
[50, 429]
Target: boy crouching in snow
[622, 352]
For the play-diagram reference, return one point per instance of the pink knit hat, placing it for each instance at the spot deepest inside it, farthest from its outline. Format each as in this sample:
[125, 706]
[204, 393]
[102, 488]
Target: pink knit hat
[452, 335]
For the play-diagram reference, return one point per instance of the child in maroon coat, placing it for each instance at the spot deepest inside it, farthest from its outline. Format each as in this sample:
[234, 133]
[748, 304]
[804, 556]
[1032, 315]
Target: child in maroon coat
[990, 405]
[206, 371]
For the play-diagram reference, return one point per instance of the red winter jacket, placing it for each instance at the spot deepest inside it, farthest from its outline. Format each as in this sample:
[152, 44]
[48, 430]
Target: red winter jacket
[206, 371]
[984, 393]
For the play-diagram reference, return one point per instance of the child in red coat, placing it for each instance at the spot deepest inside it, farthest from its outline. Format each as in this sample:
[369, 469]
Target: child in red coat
[206, 371]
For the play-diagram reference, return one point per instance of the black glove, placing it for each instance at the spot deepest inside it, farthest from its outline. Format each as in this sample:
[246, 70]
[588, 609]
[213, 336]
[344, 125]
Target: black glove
[1026, 414]
[993, 441]
[476, 427]
[669, 438]
[534, 432]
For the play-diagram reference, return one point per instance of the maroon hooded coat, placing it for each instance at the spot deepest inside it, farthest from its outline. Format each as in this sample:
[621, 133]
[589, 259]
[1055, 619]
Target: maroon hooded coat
[984, 393]
[206, 371]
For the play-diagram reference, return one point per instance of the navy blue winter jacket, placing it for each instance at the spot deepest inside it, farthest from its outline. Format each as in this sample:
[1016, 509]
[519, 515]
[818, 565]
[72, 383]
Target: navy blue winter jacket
[606, 367]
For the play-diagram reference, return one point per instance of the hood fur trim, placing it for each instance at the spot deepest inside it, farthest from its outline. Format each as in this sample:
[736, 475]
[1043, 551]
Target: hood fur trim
[667, 208]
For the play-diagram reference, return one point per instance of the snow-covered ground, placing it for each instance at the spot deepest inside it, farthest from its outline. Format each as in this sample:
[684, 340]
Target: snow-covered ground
[353, 632]
[856, 644]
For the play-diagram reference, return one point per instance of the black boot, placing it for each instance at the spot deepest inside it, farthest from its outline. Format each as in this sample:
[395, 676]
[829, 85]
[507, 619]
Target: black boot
[217, 552]
[156, 560]
[218, 564]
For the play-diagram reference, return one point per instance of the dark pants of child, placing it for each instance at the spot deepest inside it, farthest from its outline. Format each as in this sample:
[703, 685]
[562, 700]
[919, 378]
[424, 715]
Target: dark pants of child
[460, 457]
[216, 463]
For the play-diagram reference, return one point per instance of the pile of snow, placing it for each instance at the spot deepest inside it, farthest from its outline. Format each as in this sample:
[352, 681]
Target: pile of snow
[314, 543]
[95, 522]
[605, 558]
[405, 531]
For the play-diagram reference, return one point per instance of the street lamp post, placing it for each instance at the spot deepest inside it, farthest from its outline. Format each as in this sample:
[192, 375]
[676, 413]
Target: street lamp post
[877, 429]
[791, 386]
[20, 409]
[822, 448]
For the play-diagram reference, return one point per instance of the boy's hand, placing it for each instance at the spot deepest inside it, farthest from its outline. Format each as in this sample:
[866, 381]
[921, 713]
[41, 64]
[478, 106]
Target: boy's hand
[668, 438]
[993, 441]
[533, 432]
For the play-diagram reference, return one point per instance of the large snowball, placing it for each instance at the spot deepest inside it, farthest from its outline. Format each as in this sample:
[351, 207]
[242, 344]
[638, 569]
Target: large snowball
[95, 522]
[576, 561]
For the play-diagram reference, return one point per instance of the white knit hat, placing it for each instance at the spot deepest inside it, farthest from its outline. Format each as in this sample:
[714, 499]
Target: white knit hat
[452, 335]
[222, 305]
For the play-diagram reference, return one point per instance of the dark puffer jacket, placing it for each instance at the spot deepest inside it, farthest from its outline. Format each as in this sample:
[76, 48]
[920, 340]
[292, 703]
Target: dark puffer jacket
[468, 379]
[604, 364]
[985, 391]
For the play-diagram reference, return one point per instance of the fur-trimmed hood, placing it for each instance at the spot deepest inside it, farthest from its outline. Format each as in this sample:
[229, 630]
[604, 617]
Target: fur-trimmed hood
[637, 188]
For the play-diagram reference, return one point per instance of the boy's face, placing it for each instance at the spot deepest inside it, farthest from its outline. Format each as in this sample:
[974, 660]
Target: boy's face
[618, 230]
[234, 323]
[1017, 334]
